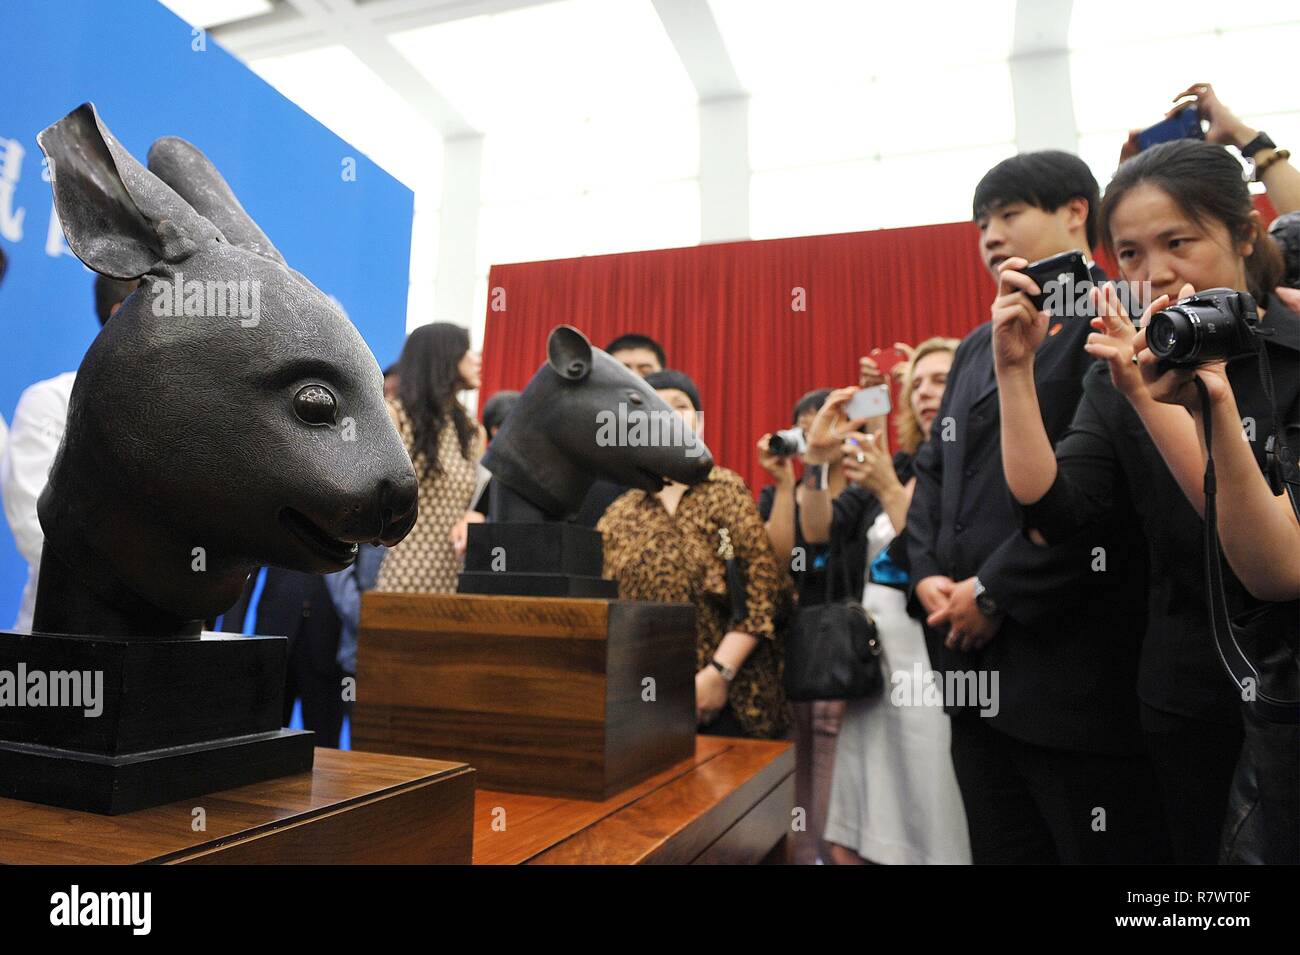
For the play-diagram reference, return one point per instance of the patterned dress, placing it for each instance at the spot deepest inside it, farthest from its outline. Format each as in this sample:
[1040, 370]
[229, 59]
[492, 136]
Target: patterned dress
[657, 556]
[425, 562]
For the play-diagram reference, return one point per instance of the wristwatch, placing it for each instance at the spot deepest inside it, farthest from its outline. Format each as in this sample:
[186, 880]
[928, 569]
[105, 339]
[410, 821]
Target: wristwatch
[984, 600]
[815, 476]
[727, 672]
[1261, 141]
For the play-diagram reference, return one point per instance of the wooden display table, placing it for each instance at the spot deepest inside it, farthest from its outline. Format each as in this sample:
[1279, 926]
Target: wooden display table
[352, 808]
[730, 803]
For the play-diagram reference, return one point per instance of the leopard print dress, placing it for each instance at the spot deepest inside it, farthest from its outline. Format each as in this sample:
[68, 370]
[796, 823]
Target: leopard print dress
[657, 556]
[425, 562]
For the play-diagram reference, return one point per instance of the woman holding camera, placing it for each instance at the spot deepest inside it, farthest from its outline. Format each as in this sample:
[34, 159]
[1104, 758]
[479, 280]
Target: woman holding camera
[1180, 217]
[894, 795]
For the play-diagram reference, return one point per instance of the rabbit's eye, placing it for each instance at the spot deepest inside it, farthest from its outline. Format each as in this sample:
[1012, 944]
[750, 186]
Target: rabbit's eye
[315, 404]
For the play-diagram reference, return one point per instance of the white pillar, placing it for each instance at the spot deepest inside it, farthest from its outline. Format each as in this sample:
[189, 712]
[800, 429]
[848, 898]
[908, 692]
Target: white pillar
[724, 169]
[1040, 76]
[458, 231]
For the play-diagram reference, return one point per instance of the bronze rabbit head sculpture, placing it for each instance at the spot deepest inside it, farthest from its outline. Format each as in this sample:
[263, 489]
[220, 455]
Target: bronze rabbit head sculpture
[228, 416]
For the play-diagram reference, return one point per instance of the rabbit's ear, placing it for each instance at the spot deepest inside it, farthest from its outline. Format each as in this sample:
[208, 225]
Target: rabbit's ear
[568, 352]
[183, 167]
[119, 218]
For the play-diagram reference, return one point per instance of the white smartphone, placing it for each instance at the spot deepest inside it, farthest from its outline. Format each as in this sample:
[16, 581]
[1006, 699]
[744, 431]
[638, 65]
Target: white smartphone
[868, 403]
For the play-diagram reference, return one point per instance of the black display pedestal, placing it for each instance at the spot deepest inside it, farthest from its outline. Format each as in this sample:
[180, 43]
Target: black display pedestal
[535, 559]
[124, 724]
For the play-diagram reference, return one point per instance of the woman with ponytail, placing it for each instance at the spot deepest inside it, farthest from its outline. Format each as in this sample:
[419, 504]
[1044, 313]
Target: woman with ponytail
[1179, 219]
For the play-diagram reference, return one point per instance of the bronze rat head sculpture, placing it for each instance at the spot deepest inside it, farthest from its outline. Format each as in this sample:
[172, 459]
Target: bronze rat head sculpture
[570, 427]
[228, 416]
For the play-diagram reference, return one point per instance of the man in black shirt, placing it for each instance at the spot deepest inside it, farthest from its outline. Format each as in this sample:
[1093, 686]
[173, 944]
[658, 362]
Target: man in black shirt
[1054, 769]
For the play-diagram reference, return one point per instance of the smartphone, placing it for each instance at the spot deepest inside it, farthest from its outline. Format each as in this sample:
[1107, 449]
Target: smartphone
[1069, 270]
[887, 358]
[869, 403]
[1184, 124]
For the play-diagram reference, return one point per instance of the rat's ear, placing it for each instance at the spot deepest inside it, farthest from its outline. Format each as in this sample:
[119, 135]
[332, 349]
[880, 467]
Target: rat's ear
[569, 353]
[183, 167]
[119, 218]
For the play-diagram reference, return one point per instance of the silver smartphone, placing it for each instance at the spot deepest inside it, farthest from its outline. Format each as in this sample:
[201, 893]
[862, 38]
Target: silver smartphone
[869, 403]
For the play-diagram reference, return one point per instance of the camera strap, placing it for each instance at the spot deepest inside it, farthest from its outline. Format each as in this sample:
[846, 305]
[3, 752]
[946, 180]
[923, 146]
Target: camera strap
[1239, 666]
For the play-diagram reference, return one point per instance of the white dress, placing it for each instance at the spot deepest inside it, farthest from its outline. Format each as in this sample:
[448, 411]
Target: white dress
[894, 796]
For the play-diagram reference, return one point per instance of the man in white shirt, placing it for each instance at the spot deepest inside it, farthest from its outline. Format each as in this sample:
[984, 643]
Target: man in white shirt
[34, 438]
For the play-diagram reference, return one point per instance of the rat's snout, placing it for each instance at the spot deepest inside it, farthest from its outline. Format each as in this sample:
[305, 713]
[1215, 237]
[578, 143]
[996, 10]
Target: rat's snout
[397, 506]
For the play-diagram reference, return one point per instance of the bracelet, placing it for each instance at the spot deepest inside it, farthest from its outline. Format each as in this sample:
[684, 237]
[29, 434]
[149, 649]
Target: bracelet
[727, 672]
[1278, 156]
[816, 477]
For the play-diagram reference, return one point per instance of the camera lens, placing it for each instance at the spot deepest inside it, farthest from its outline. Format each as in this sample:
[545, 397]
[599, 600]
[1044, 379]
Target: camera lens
[1212, 325]
[787, 443]
[1172, 334]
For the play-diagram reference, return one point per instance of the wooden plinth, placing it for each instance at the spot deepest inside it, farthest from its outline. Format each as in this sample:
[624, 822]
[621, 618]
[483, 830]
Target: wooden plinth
[730, 803]
[351, 808]
[553, 696]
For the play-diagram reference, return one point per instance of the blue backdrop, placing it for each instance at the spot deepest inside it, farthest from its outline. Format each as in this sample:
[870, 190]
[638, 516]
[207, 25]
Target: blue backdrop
[138, 63]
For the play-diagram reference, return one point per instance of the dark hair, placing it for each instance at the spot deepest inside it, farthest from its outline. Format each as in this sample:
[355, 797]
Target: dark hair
[1285, 231]
[497, 408]
[1047, 180]
[672, 378]
[4, 264]
[812, 401]
[110, 292]
[427, 386]
[1204, 181]
[633, 340]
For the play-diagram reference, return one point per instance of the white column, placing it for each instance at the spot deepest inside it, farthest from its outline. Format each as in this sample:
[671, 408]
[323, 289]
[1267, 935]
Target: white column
[1040, 76]
[724, 169]
[458, 231]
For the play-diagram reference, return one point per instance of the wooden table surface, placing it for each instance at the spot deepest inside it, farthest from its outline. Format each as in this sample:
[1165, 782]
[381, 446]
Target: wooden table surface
[733, 796]
[339, 797]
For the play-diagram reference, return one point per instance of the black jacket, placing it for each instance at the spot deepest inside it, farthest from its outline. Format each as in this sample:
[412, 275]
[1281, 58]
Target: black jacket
[1110, 468]
[1066, 654]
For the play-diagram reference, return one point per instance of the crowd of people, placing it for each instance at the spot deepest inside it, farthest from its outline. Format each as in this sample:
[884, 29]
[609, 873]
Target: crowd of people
[1027, 538]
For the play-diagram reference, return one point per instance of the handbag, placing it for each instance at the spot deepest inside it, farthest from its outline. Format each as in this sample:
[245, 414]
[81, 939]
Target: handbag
[832, 651]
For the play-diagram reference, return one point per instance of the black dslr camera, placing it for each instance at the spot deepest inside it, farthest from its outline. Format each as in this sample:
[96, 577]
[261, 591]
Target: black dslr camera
[1214, 325]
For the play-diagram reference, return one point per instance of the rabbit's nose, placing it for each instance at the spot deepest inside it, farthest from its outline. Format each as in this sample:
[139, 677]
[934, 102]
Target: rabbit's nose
[397, 508]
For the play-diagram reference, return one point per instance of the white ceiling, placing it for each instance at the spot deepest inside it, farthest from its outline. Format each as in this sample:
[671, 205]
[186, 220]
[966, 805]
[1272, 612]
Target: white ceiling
[858, 113]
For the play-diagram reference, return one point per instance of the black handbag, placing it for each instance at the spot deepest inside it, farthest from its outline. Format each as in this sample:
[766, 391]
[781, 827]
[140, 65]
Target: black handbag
[832, 650]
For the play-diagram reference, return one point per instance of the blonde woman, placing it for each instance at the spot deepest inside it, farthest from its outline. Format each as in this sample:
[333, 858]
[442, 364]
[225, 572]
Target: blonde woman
[894, 796]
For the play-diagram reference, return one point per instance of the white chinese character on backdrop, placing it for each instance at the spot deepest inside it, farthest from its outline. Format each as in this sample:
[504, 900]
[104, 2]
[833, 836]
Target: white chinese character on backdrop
[11, 167]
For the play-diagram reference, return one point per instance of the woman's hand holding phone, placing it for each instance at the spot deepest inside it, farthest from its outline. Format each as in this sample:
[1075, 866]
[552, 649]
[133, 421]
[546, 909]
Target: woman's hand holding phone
[830, 427]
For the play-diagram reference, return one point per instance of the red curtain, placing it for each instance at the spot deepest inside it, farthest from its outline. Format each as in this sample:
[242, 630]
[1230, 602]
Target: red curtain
[728, 315]
[755, 324]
